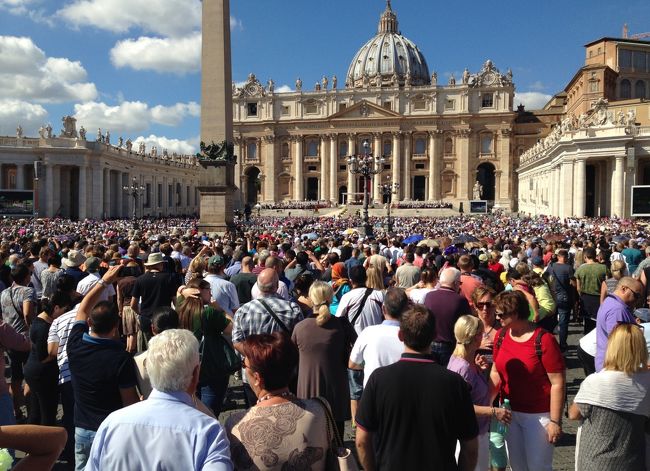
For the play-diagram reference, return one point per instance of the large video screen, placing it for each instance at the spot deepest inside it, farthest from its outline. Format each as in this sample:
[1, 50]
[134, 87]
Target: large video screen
[16, 203]
[641, 200]
[478, 207]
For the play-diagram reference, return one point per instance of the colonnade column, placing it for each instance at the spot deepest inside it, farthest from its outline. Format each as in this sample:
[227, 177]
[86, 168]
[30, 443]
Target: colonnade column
[107, 192]
[299, 183]
[435, 159]
[377, 152]
[20, 177]
[618, 194]
[269, 168]
[557, 174]
[630, 180]
[324, 174]
[407, 165]
[334, 168]
[566, 189]
[120, 195]
[463, 159]
[351, 182]
[396, 169]
[83, 193]
[579, 197]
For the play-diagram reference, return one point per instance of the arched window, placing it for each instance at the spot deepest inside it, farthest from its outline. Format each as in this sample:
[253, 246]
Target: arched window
[312, 148]
[625, 89]
[343, 149]
[639, 89]
[420, 146]
[388, 148]
[486, 143]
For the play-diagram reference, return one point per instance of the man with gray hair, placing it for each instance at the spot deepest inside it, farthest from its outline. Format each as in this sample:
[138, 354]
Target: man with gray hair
[166, 431]
[446, 305]
[265, 315]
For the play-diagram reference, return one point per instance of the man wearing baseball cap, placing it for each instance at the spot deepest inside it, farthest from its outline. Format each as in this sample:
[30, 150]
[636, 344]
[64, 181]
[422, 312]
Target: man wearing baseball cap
[223, 292]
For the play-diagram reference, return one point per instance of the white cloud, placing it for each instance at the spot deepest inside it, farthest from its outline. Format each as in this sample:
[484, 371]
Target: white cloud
[236, 24]
[172, 145]
[178, 55]
[17, 112]
[132, 116]
[538, 86]
[532, 100]
[283, 89]
[162, 17]
[27, 74]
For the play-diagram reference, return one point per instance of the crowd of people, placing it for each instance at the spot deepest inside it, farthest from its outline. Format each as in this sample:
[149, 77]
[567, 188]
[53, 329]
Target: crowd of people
[306, 205]
[423, 205]
[442, 355]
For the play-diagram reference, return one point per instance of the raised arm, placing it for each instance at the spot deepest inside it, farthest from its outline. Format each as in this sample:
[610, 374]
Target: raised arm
[92, 297]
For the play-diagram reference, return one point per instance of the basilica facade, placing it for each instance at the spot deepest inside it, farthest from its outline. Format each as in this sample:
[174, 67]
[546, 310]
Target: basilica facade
[437, 138]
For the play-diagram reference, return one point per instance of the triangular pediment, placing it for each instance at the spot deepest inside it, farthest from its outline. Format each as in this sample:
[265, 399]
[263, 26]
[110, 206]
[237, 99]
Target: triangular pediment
[365, 110]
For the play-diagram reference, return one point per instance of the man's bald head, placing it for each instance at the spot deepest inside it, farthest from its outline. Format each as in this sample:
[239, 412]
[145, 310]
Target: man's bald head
[267, 281]
[247, 264]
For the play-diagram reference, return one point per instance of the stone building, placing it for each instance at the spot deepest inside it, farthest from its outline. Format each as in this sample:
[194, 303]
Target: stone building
[591, 143]
[73, 177]
[438, 138]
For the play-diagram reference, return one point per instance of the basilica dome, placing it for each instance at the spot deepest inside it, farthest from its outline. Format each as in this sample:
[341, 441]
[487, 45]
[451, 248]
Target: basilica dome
[388, 59]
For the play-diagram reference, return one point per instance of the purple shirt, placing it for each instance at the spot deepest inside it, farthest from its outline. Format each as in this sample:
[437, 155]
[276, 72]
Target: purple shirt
[612, 312]
[478, 388]
[447, 306]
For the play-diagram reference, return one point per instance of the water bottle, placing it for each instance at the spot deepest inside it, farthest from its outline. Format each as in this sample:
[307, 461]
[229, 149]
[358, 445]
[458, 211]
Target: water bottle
[501, 427]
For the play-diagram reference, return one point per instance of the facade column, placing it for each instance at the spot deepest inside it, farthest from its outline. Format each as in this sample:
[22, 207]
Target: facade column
[83, 193]
[238, 165]
[377, 151]
[462, 157]
[48, 196]
[556, 195]
[579, 197]
[120, 195]
[351, 179]
[20, 177]
[503, 156]
[299, 183]
[407, 165]
[435, 160]
[566, 190]
[630, 180]
[334, 168]
[396, 169]
[107, 192]
[324, 174]
[269, 169]
[618, 194]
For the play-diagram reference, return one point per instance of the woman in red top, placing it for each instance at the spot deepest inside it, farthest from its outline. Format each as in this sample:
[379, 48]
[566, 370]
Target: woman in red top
[528, 370]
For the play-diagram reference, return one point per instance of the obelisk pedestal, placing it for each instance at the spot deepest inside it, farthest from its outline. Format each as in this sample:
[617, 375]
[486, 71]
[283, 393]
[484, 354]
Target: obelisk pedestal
[216, 206]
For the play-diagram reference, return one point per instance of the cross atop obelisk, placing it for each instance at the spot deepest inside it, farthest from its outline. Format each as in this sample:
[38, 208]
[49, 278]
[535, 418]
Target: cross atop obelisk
[216, 208]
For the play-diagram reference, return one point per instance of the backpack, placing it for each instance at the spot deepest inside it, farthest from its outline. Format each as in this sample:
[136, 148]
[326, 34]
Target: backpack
[538, 342]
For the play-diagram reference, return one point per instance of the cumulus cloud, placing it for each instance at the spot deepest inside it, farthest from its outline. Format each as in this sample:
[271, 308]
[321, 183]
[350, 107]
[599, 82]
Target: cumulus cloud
[532, 100]
[173, 18]
[189, 146]
[17, 112]
[132, 116]
[178, 55]
[28, 74]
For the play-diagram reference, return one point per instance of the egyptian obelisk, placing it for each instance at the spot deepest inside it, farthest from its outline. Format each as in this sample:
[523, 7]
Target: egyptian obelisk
[216, 208]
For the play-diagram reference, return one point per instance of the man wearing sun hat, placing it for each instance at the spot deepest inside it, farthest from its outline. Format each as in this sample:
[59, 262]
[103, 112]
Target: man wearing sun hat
[85, 285]
[72, 263]
[155, 288]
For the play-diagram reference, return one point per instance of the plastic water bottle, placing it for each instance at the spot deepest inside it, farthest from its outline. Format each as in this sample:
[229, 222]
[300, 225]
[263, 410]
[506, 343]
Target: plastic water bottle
[501, 427]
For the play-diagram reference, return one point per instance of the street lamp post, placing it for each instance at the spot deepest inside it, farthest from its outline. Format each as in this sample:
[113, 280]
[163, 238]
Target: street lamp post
[366, 165]
[388, 190]
[135, 190]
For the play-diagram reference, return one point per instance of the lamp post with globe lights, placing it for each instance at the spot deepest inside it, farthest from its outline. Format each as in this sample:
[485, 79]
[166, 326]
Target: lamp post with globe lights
[366, 165]
[387, 190]
[135, 190]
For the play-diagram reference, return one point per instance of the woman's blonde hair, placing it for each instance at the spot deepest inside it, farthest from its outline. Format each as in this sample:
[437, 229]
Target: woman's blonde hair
[321, 294]
[465, 330]
[618, 269]
[374, 279]
[626, 349]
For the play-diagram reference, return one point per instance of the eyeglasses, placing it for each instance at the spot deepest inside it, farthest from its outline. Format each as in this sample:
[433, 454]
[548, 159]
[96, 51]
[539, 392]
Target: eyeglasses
[637, 296]
[486, 305]
[500, 314]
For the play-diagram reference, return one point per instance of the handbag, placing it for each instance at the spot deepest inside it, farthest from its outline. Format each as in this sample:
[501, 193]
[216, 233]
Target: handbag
[338, 458]
[218, 358]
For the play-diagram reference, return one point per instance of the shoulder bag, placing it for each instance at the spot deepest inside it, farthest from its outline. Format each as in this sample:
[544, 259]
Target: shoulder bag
[338, 457]
[275, 317]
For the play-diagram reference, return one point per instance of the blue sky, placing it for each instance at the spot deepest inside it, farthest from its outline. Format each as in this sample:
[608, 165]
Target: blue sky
[132, 66]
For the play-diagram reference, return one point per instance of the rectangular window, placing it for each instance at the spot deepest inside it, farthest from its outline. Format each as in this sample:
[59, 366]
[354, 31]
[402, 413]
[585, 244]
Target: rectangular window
[285, 111]
[388, 105]
[160, 195]
[312, 168]
[450, 104]
[486, 144]
[343, 168]
[251, 109]
[419, 105]
[311, 108]
[624, 59]
[342, 106]
[639, 61]
[387, 167]
[419, 166]
[487, 100]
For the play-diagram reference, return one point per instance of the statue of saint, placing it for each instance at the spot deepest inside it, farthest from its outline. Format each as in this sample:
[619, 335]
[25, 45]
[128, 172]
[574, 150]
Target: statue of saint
[465, 76]
[434, 78]
[100, 138]
[325, 82]
[107, 138]
[271, 85]
[477, 190]
[19, 131]
[129, 145]
[120, 141]
[82, 133]
[334, 82]
[41, 132]
[452, 80]
[298, 84]
[48, 131]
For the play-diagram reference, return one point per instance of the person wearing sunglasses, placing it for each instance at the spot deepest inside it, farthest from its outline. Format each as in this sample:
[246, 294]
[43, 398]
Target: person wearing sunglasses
[528, 370]
[617, 308]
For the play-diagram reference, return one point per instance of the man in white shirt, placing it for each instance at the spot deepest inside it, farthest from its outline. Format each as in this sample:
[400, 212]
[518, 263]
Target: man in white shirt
[361, 305]
[223, 292]
[379, 345]
[87, 283]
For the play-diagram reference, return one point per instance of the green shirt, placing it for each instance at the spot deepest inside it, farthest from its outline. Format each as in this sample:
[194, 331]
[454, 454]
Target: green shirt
[591, 277]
